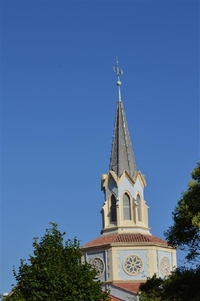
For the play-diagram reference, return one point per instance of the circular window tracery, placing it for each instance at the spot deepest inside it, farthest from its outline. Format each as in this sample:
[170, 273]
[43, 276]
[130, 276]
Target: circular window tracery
[98, 264]
[165, 266]
[132, 265]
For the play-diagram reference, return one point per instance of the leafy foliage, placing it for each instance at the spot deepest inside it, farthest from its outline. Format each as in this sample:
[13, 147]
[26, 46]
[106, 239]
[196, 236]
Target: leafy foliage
[181, 285]
[54, 272]
[152, 289]
[185, 232]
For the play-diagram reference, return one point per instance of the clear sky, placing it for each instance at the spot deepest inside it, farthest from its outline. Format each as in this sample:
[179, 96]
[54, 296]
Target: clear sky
[58, 102]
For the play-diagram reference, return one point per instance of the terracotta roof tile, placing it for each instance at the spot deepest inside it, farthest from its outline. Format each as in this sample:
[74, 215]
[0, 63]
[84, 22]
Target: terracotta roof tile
[131, 287]
[124, 238]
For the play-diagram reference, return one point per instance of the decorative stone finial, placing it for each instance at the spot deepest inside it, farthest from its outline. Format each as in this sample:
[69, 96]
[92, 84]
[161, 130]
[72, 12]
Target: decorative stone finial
[119, 72]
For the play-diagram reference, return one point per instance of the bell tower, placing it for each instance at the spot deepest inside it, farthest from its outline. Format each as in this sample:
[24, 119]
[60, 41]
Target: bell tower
[124, 208]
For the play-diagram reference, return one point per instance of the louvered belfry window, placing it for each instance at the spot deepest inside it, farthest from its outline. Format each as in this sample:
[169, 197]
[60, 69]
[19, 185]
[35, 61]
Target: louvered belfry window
[126, 207]
[113, 211]
[139, 208]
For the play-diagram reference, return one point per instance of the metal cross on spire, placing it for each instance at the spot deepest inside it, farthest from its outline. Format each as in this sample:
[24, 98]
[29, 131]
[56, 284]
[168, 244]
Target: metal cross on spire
[118, 72]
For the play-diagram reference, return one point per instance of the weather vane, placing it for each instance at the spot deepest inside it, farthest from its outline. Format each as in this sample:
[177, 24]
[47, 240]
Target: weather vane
[118, 72]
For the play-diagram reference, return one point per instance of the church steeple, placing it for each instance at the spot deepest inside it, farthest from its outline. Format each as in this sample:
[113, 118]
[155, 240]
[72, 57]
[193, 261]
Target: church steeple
[126, 252]
[122, 157]
[124, 209]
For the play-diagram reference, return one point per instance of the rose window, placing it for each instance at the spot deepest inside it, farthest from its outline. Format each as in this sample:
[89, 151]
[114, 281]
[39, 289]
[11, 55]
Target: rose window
[165, 266]
[132, 264]
[98, 264]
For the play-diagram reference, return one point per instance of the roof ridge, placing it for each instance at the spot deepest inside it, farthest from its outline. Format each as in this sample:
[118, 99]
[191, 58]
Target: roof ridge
[124, 238]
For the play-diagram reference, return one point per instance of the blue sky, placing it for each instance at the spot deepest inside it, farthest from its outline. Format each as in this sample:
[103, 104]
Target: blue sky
[58, 101]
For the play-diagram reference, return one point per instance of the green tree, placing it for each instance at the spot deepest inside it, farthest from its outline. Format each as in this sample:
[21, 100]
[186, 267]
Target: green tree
[183, 283]
[54, 272]
[152, 289]
[185, 232]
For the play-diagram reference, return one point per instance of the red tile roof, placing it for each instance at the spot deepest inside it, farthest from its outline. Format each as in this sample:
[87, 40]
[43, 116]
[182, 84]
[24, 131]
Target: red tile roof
[131, 287]
[124, 238]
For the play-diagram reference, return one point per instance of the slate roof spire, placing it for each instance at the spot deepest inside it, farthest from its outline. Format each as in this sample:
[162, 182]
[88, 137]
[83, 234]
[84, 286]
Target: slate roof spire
[122, 157]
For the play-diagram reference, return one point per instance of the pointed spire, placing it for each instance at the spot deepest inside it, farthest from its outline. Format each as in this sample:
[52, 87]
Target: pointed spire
[122, 157]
